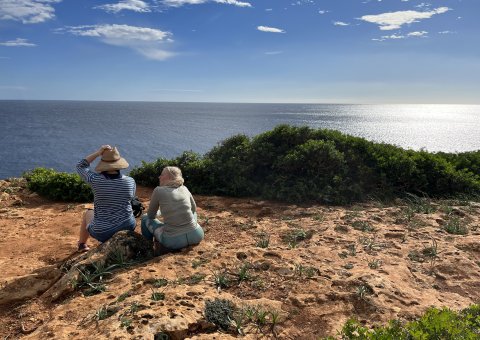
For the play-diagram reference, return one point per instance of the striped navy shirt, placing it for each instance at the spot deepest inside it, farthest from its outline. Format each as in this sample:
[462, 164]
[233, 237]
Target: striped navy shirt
[112, 198]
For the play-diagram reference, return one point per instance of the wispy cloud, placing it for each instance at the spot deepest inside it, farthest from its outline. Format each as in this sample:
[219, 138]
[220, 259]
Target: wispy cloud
[395, 20]
[447, 32]
[270, 29]
[19, 42]
[27, 11]
[179, 3]
[341, 23]
[417, 34]
[322, 11]
[273, 52]
[149, 42]
[126, 5]
[400, 36]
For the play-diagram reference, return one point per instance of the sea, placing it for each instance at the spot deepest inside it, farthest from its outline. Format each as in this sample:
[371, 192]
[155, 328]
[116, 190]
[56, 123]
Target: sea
[56, 134]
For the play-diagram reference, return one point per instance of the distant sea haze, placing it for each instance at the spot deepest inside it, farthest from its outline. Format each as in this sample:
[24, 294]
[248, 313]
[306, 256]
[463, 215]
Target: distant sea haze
[56, 134]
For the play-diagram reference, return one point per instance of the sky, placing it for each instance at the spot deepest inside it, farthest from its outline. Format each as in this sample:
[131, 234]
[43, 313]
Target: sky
[271, 51]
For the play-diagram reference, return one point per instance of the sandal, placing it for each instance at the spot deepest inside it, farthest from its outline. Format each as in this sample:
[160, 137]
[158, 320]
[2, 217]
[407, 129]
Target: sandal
[83, 247]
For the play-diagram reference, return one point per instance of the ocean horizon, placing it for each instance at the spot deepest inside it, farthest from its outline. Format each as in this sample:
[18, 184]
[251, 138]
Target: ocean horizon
[57, 133]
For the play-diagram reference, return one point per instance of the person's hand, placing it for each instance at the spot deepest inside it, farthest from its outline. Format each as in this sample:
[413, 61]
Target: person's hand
[103, 148]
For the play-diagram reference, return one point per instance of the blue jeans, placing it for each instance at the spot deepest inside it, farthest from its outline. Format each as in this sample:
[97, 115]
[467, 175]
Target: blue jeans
[171, 242]
[129, 224]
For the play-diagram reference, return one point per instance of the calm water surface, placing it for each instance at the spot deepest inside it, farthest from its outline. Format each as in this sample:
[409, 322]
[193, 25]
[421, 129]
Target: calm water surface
[56, 134]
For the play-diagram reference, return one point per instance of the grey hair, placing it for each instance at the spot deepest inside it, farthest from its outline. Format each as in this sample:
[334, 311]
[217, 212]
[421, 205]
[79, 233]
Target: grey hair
[175, 176]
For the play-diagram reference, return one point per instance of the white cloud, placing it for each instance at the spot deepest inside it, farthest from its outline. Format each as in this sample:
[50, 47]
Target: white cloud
[234, 2]
[179, 3]
[128, 5]
[322, 11]
[27, 11]
[19, 42]
[270, 29]
[417, 34]
[395, 20]
[273, 52]
[341, 23]
[447, 32]
[149, 42]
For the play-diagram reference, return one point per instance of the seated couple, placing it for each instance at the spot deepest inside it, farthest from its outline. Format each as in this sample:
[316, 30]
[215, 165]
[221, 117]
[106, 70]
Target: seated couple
[112, 210]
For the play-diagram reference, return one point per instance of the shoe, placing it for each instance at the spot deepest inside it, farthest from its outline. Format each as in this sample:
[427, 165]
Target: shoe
[82, 247]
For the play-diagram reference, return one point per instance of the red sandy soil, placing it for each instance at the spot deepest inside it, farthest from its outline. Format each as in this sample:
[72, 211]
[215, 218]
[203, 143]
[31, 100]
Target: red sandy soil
[337, 268]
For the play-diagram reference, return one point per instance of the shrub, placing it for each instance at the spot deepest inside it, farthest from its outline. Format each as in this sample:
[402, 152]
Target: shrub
[219, 312]
[434, 324]
[59, 186]
[300, 164]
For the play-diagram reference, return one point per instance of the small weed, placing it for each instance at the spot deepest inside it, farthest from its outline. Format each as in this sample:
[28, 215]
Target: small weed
[431, 251]
[348, 266]
[199, 262]
[221, 280]
[243, 273]
[341, 229]
[363, 291]
[421, 205]
[352, 249]
[374, 264]
[134, 307]
[125, 322]
[370, 244]
[263, 240]
[295, 236]
[362, 226]
[105, 312]
[191, 280]
[157, 296]
[158, 283]
[320, 217]
[123, 296]
[351, 215]
[456, 226]
[302, 271]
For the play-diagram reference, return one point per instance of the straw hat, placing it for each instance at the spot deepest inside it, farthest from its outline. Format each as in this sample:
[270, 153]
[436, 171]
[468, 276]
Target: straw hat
[111, 161]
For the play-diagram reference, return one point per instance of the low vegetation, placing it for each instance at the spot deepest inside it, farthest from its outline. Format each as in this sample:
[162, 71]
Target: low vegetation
[434, 324]
[300, 164]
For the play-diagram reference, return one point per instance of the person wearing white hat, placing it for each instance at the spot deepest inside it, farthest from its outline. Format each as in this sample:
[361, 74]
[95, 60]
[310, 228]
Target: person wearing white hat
[113, 192]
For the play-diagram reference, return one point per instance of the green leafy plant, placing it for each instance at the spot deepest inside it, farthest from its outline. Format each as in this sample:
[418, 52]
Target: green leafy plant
[219, 312]
[157, 296]
[58, 186]
[455, 226]
[105, 312]
[263, 240]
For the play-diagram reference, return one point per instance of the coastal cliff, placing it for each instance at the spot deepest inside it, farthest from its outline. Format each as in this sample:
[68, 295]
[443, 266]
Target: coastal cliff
[290, 271]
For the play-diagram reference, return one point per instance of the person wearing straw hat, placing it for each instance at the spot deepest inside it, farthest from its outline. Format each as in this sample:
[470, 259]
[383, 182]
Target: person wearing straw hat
[112, 210]
[174, 202]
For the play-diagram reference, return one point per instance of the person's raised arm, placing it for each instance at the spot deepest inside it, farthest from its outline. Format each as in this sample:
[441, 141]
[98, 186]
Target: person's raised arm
[90, 158]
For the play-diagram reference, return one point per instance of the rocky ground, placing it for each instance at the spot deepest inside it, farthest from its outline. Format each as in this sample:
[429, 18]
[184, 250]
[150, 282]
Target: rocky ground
[292, 272]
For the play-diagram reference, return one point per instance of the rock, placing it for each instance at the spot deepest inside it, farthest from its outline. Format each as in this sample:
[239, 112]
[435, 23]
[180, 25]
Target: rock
[123, 247]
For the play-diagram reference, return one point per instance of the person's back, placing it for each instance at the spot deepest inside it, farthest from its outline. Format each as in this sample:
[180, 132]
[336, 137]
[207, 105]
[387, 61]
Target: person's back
[112, 192]
[179, 228]
[176, 206]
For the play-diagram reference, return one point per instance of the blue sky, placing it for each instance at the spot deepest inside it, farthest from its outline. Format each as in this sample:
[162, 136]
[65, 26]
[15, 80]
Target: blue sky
[307, 51]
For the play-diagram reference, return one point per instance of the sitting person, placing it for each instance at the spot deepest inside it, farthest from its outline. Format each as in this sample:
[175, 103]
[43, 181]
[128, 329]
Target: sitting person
[179, 228]
[112, 191]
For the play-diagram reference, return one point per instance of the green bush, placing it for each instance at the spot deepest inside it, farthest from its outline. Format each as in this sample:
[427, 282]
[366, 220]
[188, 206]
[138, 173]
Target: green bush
[219, 312]
[301, 164]
[58, 186]
[434, 324]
